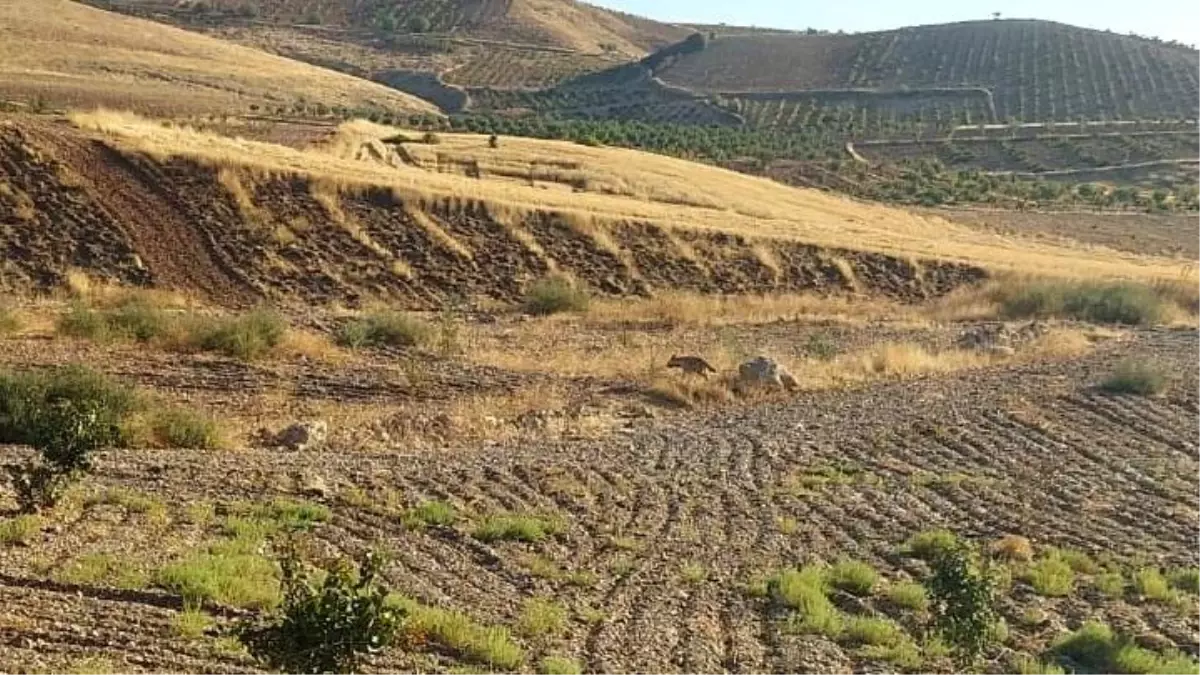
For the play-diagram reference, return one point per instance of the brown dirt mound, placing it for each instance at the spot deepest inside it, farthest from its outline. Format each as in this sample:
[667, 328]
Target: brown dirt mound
[236, 236]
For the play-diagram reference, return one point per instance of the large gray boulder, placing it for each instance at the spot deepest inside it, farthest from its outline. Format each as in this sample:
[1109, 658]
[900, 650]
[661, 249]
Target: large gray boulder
[765, 372]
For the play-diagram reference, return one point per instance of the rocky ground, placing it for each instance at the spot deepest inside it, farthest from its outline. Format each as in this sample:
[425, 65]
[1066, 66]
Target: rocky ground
[667, 518]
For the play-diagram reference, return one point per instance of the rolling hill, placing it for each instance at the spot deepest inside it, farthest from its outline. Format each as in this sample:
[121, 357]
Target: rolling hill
[500, 43]
[64, 53]
[1017, 69]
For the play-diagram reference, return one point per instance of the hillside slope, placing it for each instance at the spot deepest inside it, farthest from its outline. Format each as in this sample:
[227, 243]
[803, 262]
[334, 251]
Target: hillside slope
[68, 54]
[1034, 70]
[560, 24]
[352, 218]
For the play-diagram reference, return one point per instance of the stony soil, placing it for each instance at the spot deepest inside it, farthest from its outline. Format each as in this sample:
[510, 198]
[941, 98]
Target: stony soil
[1032, 449]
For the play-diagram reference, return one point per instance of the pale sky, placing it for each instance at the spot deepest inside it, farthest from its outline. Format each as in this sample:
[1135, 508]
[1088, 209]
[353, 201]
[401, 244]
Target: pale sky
[1167, 19]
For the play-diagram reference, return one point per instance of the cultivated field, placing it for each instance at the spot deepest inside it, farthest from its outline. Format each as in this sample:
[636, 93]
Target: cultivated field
[57, 53]
[1034, 70]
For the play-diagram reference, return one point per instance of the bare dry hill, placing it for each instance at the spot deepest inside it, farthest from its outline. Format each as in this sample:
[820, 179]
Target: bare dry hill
[352, 218]
[65, 53]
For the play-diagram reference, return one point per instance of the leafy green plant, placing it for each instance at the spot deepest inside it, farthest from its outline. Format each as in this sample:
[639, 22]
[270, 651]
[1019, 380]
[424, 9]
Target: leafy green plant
[1098, 302]
[395, 329]
[185, 428]
[554, 294]
[66, 414]
[1150, 583]
[489, 645]
[247, 336]
[327, 622]
[1097, 648]
[559, 665]
[963, 600]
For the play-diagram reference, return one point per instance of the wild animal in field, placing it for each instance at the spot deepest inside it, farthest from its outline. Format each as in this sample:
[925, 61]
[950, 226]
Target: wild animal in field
[691, 364]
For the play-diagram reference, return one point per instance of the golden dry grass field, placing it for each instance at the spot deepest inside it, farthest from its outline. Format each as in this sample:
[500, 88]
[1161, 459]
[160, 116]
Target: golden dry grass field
[68, 54]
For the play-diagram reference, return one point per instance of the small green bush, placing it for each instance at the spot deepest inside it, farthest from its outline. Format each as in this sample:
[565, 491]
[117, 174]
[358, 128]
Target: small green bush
[1051, 576]
[1136, 377]
[1187, 579]
[1096, 302]
[964, 603]
[395, 329]
[555, 294]
[1096, 648]
[909, 595]
[1111, 584]
[81, 321]
[247, 336]
[1150, 583]
[134, 319]
[103, 569]
[184, 428]
[853, 576]
[516, 527]
[327, 625]
[929, 544]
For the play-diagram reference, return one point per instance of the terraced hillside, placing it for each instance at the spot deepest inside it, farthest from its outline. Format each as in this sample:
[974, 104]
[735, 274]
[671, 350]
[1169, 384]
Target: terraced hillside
[1010, 69]
[59, 53]
[493, 43]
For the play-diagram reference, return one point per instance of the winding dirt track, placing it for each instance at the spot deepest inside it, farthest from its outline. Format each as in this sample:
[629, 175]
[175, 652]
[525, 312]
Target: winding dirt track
[1033, 450]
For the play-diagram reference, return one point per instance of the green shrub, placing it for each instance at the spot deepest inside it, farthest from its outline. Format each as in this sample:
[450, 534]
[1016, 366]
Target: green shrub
[327, 626]
[66, 414]
[1097, 649]
[134, 319]
[184, 428]
[395, 329]
[929, 544]
[909, 595]
[1187, 579]
[963, 599]
[81, 321]
[1150, 583]
[1111, 584]
[554, 294]
[1136, 377]
[1096, 302]
[1051, 576]
[516, 527]
[693, 573]
[247, 336]
[853, 576]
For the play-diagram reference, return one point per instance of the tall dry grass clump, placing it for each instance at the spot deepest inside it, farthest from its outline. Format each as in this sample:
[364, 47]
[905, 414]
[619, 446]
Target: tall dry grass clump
[1109, 302]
